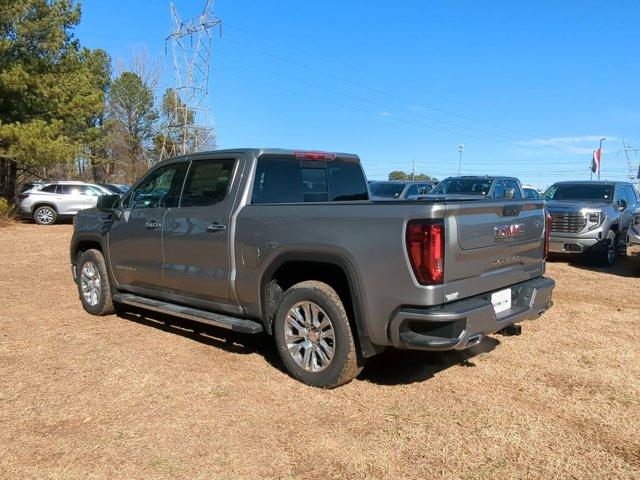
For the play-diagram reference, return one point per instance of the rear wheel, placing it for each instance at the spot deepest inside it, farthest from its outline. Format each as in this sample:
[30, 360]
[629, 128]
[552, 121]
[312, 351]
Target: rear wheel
[313, 336]
[93, 284]
[45, 215]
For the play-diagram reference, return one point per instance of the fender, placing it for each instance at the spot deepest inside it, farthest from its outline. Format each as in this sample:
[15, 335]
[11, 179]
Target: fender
[338, 260]
[87, 232]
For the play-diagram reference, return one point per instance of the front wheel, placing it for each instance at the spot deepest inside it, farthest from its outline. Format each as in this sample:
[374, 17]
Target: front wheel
[313, 336]
[607, 254]
[93, 283]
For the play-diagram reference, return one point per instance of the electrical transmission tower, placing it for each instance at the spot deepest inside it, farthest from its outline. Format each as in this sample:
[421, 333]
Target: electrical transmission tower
[190, 125]
[632, 163]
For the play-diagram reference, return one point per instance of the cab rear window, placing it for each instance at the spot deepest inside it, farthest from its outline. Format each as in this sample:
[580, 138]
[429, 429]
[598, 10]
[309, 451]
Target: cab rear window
[286, 180]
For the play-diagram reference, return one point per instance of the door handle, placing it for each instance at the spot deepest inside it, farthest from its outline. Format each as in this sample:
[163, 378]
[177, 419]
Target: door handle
[216, 227]
[152, 225]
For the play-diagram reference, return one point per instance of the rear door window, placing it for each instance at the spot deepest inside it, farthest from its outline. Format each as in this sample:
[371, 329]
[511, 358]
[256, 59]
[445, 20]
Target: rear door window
[207, 182]
[285, 180]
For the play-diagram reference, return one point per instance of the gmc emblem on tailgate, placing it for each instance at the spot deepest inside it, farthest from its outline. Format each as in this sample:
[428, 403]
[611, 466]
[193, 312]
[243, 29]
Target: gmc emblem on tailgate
[505, 231]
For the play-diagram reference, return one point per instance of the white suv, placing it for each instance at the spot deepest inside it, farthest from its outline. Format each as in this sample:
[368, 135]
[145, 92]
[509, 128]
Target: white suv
[47, 202]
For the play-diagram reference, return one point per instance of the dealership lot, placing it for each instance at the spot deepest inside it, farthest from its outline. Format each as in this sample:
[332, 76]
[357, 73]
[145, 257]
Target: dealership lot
[130, 397]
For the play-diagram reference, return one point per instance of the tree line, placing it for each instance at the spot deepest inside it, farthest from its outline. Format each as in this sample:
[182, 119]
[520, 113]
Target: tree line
[400, 175]
[64, 113]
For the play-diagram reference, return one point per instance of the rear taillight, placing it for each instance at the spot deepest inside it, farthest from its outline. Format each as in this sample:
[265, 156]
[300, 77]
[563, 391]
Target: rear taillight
[547, 233]
[23, 196]
[425, 246]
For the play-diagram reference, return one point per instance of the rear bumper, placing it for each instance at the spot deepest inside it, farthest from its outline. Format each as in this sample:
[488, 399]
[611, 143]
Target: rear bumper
[24, 211]
[559, 244]
[462, 324]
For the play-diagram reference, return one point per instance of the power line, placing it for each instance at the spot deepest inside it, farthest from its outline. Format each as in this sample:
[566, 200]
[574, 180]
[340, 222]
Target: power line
[364, 100]
[392, 95]
[352, 107]
[373, 89]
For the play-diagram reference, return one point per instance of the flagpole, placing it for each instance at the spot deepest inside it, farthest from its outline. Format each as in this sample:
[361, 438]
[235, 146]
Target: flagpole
[600, 163]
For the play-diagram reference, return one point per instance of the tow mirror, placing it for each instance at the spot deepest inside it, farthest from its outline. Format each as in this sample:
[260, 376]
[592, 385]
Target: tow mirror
[510, 193]
[108, 203]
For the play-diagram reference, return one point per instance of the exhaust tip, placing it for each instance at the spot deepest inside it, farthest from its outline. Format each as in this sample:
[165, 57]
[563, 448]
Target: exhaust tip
[475, 340]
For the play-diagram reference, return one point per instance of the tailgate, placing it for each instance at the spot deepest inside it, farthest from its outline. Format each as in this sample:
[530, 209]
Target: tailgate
[491, 245]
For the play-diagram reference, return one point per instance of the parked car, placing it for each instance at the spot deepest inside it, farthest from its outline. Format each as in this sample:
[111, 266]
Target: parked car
[531, 193]
[399, 189]
[115, 188]
[47, 202]
[480, 186]
[288, 243]
[591, 217]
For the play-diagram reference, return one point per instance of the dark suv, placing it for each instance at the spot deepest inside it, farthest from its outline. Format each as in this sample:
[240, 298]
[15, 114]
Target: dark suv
[487, 187]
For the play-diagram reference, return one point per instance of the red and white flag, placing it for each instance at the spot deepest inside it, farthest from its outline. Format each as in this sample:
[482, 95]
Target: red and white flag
[595, 163]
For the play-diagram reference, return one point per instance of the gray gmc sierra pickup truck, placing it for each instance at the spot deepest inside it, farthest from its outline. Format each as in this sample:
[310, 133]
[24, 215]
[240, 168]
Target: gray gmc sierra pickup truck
[591, 217]
[288, 242]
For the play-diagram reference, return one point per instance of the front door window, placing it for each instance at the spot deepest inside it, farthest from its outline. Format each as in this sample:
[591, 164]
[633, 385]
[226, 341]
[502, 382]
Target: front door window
[161, 189]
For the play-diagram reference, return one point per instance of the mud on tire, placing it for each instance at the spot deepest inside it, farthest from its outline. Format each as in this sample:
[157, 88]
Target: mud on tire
[314, 337]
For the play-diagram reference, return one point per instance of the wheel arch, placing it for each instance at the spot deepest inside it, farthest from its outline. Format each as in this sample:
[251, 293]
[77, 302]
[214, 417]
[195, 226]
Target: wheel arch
[82, 243]
[288, 269]
[43, 203]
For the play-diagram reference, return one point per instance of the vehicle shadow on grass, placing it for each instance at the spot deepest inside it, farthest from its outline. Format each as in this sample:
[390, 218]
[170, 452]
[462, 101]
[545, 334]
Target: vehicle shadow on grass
[391, 367]
[625, 266]
[233, 342]
[401, 367]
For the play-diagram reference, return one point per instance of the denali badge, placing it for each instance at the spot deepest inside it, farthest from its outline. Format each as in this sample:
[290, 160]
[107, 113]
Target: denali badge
[504, 231]
[504, 261]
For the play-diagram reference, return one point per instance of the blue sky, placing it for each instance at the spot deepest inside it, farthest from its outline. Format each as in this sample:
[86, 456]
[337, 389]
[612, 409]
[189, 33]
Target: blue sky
[529, 89]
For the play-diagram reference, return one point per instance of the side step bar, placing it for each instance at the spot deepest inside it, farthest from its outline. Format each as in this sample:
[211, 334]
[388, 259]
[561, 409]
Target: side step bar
[241, 325]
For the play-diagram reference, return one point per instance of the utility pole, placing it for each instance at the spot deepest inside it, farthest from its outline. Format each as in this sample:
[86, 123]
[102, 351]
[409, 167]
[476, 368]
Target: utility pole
[460, 150]
[413, 169]
[191, 127]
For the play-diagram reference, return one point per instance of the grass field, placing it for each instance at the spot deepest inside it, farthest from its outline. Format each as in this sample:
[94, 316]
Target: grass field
[114, 397]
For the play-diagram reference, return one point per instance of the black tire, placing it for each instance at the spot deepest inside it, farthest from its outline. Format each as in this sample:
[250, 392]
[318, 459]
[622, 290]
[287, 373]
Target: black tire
[102, 303]
[607, 253]
[45, 215]
[343, 365]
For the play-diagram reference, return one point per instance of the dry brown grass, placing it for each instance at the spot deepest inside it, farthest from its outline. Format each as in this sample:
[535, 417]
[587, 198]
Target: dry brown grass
[87, 397]
[7, 213]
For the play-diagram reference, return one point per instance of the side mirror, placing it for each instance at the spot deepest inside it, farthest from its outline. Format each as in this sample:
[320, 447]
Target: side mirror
[622, 204]
[509, 193]
[108, 203]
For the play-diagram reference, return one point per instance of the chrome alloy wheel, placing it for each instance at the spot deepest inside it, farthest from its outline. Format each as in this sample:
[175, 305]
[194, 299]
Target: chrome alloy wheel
[45, 216]
[309, 335]
[90, 283]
